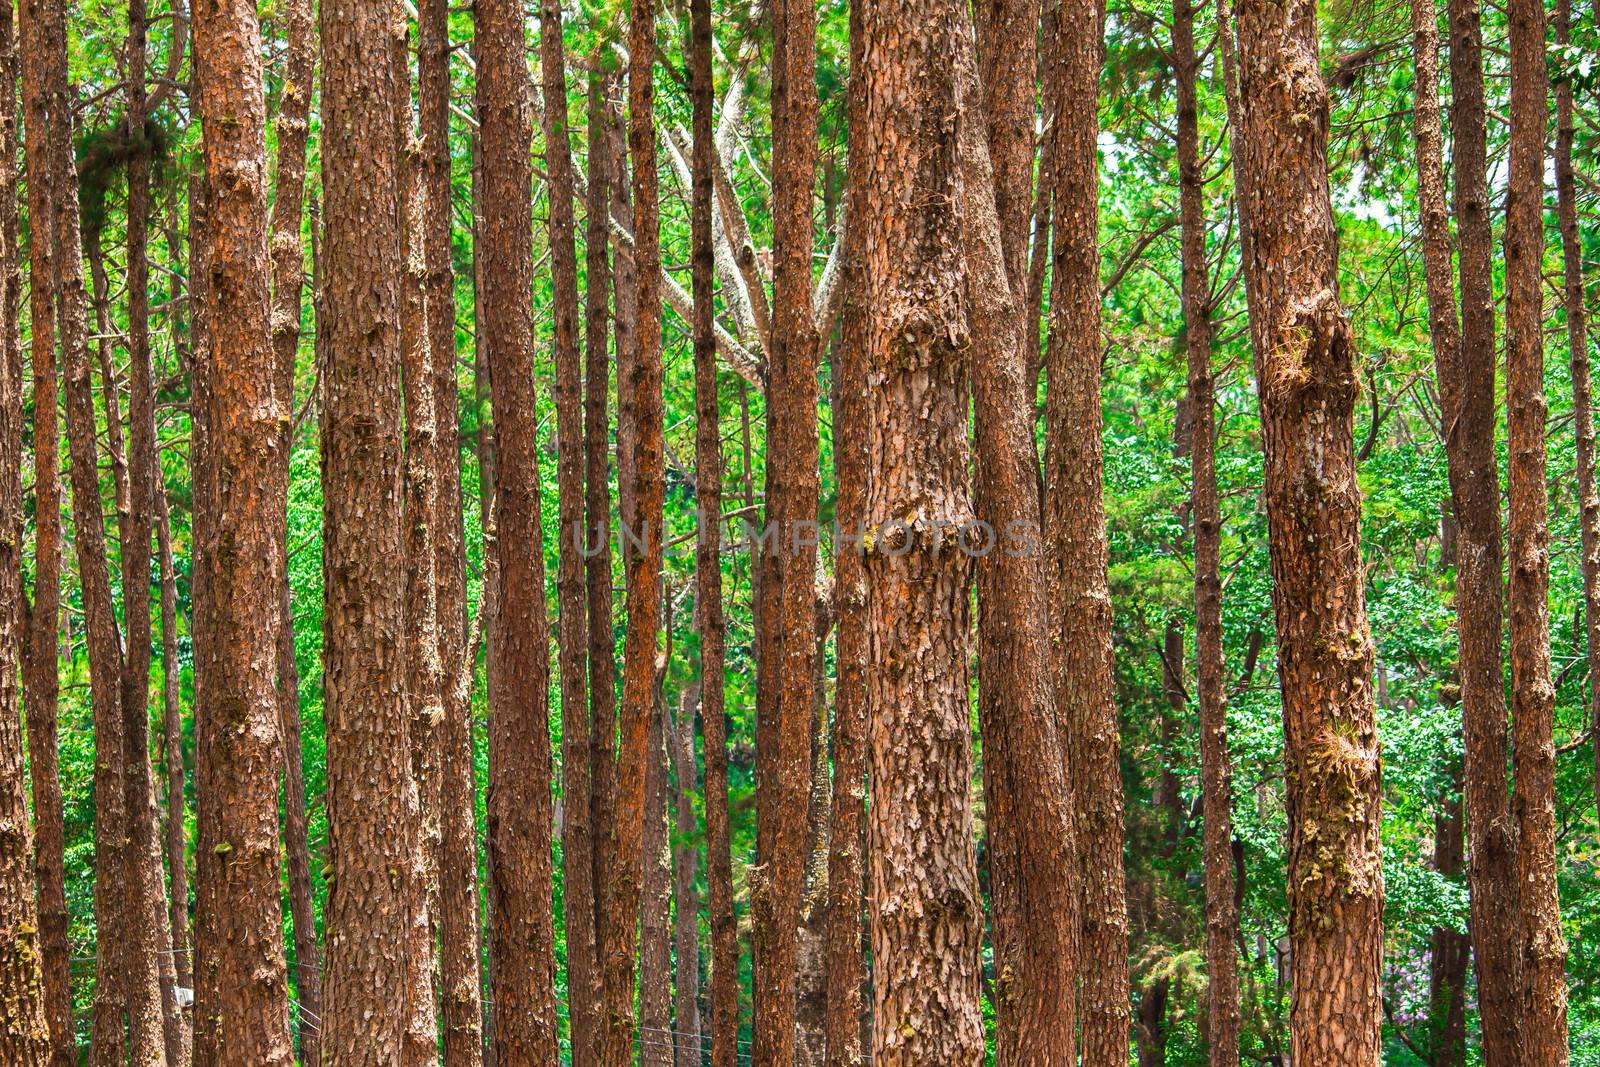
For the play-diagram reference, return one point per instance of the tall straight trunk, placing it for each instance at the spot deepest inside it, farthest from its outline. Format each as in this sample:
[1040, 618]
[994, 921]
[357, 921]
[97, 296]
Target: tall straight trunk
[1467, 394]
[1450, 949]
[461, 1010]
[788, 598]
[643, 385]
[1544, 948]
[424, 674]
[847, 819]
[24, 1031]
[41, 684]
[1305, 364]
[150, 934]
[1032, 843]
[1075, 521]
[926, 911]
[577, 841]
[656, 1037]
[241, 1000]
[172, 752]
[1216, 771]
[288, 273]
[523, 944]
[1578, 348]
[710, 624]
[597, 537]
[371, 788]
[811, 976]
[126, 981]
[686, 903]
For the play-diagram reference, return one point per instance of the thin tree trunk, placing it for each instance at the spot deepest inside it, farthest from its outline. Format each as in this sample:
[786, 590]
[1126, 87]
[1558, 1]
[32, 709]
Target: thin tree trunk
[1451, 950]
[927, 914]
[371, 789]
[242, 1000]
[709, 621]
[577, 842]
[1544, 949]
[522, 932]
[1075, 519]
[24, 1031]
[643, 385]
[1032, 851]
[1467, 394]
[685, 862]
[597, 544]
[1216, 772]
[1578, 348]
[787, 673]
[656, 1037]
[172, 750]
[1305, 363]
[41, 686]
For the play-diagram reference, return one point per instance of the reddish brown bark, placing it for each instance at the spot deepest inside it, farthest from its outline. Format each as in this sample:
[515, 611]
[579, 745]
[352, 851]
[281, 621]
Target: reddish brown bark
[926, 914]
[523, 946]
[241, 1006]
[1305, 363]
[41, 687]
[1544, 948]
[643, 385]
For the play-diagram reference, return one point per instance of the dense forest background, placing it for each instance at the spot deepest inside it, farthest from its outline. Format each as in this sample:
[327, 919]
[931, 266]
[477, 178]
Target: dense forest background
[1408, 531]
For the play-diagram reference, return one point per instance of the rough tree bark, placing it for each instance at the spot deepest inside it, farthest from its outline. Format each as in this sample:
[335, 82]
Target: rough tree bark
[1033, 883]
[926, 919]
[643, 385]
[1467, 394]
[577, 842]
[1305, 363]
[1216, 772]
[1075, 523]
[24, 1031]
[41, 684]
[1544, 948]
[686, 912]
[522, 934]
[371, 790]
[1450, 949]
[709, 621]
[597, 535]
[788, 599]
[241, 1008]
[655, 902]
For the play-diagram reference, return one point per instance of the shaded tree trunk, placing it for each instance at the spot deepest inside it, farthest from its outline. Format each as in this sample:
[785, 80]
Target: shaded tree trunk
[1305, 363]
[926, 916]
[1467, 394]
[1447, 975]
[241, 1007]
[523, 944]
[1544, 949]
[41, 685]
[656, 1037]
[1075, 520]
[172, 751]
[1216, 771]
[686, 914]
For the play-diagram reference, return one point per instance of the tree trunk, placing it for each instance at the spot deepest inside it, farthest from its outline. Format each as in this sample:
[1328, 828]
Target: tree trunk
[643, 385]
[1075, 519]
[519, 744]
[150, 935]
[24, 1032]
[710, 624]
[242, 1000]
[1467, 394]
[1216, 771]
[686, 915]
[1447, 977]
[1305, 363]
[926, 914]
[1544, 949]
[577, 842]
[371, 790]
[656, 1036]
[41, 686]
[1026, 800]
[597, 542]
[172, 750]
